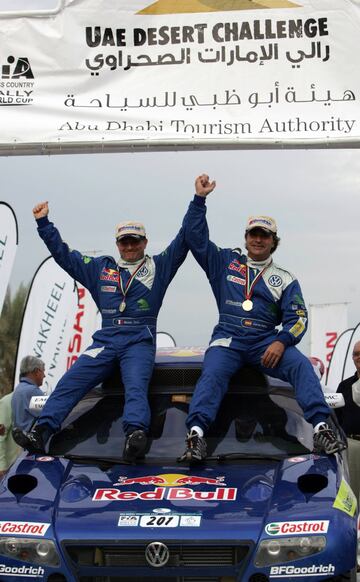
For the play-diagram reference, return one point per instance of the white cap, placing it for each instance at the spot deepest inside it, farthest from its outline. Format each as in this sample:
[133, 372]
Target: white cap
[264, 222]
[129, 228]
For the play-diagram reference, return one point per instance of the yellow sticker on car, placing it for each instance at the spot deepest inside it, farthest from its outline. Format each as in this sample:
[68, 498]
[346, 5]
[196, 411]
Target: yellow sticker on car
[345, 499]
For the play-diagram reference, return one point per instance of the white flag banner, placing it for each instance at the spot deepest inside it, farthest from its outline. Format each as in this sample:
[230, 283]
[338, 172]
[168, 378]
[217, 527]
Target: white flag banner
[99, 75]
[87, 320]
[349, 366]
[327, 322]
[49, 314]
[337, 363]
[8, 247]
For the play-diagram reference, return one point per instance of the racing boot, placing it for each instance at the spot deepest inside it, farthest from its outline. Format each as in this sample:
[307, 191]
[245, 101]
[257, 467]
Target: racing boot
[135, 446]
[325, 440]
[33, 441]
[195, 451]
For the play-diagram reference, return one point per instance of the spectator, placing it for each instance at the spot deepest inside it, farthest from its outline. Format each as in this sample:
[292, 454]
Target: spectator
[32, 374]
[9, 450]
[349, 419]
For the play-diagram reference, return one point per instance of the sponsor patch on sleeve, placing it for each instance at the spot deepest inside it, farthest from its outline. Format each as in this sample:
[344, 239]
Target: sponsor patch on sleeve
[298, 328]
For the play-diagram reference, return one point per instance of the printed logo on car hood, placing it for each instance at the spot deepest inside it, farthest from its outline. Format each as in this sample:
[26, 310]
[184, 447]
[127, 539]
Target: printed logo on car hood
[168, 486]
[23, 527]
[285, 571]
[281, 528]
[171, 480]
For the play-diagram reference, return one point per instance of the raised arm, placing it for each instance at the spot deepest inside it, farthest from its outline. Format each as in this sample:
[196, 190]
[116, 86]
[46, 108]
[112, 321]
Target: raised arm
[206, 253]
[41, 210]
[203, 186]
[78, 266]
[172, 257]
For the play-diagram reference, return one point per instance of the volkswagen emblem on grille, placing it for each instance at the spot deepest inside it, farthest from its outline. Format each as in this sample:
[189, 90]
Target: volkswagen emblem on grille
[157, 554]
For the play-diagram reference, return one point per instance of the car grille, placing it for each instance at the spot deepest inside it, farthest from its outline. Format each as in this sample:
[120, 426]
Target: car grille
[209, 562]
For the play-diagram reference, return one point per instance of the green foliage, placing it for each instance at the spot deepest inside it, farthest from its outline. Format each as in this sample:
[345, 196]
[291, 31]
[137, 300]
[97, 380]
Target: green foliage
[10, 322]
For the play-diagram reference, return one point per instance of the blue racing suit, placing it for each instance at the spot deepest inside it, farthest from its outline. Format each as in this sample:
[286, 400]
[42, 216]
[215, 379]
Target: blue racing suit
[241, 337]
[127, 337]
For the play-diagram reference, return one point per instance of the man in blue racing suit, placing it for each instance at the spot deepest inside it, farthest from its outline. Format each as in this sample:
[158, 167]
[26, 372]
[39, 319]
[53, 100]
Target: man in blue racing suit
[253, 296]
[129, 293]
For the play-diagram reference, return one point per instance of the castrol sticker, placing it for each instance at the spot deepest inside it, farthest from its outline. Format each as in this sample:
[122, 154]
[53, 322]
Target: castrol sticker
[282, 528]
[29, 528]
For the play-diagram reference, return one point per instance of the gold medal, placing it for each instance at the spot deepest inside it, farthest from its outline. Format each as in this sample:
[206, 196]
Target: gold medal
[247, 305]
[122, 306]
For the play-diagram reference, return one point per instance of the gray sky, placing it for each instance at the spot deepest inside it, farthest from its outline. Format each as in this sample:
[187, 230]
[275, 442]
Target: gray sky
[313, 195]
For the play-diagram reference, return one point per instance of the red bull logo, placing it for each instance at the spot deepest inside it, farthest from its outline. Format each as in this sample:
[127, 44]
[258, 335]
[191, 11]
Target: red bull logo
[171, 480]
[195, 480]
[146, 480]
[161, 493]
[238, 267]
[109, 275]
[171, 486]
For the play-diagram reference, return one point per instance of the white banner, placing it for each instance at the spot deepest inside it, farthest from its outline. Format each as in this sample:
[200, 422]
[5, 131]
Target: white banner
[8, 247]
[87, 320]
[46, 327]
[102, 75]
[327, 322]
[337, 363]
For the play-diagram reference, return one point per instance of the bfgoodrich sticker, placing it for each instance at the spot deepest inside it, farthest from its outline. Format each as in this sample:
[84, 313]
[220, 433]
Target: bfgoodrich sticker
[22, 571]
[285, 571]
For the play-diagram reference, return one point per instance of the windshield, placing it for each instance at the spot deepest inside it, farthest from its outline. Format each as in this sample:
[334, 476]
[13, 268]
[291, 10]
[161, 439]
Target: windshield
[247, 424]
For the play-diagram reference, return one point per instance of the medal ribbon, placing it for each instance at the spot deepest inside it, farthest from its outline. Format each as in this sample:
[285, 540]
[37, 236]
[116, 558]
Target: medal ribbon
[130, 280]
[249, 286]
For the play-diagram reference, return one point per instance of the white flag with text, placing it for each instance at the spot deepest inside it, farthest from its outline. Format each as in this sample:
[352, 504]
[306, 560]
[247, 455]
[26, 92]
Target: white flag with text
[327, 322]
[8, 246]
[49, 314]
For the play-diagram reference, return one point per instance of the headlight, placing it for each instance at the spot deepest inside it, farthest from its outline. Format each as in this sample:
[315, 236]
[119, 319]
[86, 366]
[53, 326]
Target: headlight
[35, 551]
[288, 549]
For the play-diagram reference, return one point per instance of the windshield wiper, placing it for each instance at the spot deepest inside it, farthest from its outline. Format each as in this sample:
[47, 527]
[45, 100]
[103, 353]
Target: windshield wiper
[245, 456]
[95, 459]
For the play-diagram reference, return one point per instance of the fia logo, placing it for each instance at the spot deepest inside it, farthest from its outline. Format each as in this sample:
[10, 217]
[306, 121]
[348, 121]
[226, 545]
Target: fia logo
[16, 68]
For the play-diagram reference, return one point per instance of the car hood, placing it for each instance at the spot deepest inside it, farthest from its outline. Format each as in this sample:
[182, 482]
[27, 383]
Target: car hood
[235, 500]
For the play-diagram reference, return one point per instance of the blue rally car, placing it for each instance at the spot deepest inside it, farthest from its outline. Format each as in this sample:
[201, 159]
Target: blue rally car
[263, 507]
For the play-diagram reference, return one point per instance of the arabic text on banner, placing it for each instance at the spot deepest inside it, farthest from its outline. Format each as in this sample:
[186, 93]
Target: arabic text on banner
[140, 73]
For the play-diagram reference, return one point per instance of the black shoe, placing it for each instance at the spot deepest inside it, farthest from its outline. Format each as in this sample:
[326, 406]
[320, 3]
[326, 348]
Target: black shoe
[32, 441]
[325, 441]
[135, 446]
[195, 451]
